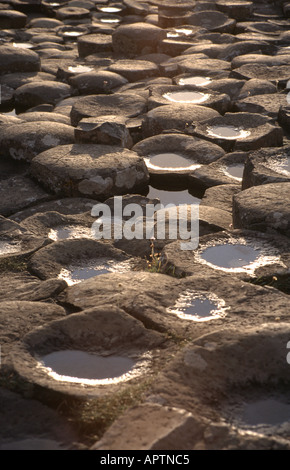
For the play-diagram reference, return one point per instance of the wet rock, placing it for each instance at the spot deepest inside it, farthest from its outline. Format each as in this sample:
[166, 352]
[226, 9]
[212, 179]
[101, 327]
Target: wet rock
[162, 95]
[62, 258]
[91, 83]
[10, 19]
[35, 93]
[134, 70]
[272, 215]
[100, 105]
[30, 425]
[135, 39]
[20, 317]
[160, 301]
[246, 254]
[100, 171]
[239, 382]
[66, 206]
[240, 131]
[26, 141]
[19, 192]
[94, 43]
[174, 116]
[220, 196]
[57, 226]
[175, 156]
[267, 166]
[18, 60]
[106, 332]
[226, 170]
[111, 130]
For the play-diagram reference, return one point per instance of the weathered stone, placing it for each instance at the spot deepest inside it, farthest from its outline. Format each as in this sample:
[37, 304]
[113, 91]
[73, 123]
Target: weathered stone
[240, 131]
[137, 38]
[174, 116]
[213, 21]
[35, 93]
[72, 13]
[220, 196]
[16, 80]
[278, 74]
[111, 130]
[18, 60]
[134, 70]
[103, 331]
[259, 254]
[10, 19]
[19, 192]
[36, 116]
[264, 208]
[267, 166]
[260, 59]
[256, 86]
[91, 83]
[25, 141]
[268, 104]
[66, 206]
[226, 170]
[99, 171]
[93, 44]
[240, 10]
[237, 51]
[100, 105]
[162, 95]
[30, 425]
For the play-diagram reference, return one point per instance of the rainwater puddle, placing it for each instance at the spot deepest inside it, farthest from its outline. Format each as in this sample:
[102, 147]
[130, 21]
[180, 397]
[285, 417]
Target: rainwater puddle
[228, 132]
[198, 307]
[198, 81]
[170, 162]
[109, 20]
[268, 415]
[280, 164]
[186, 97]
[81, 272]
[172, 197]
[10, 113]
[235, 171]
[69, 232]
[110, 9]
[87, 368]
[73, 34]
[23, 45]
[237, 255]
[80, 69]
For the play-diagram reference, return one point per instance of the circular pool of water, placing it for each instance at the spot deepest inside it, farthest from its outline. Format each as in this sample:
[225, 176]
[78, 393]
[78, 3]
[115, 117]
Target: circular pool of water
[228, 132]
[186, 97]
[170, 162]
[198, 307]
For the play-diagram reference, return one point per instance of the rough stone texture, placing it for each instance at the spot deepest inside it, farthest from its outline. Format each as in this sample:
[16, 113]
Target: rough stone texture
[138, 38]
[66, 206]
[35, 93]
[274, 252]
[24, 286]
[263, 166]
[264, 208]
[19, 192]
[262, 133]
[91, 83]
[48, 262]
[103, 330]
[111, 130]
[25, 141]
[18, 60]
[30, 425]
[93, 44]
[174, 116]
[268, 104]
[98, 105]
[99, 171]
[220, 196]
